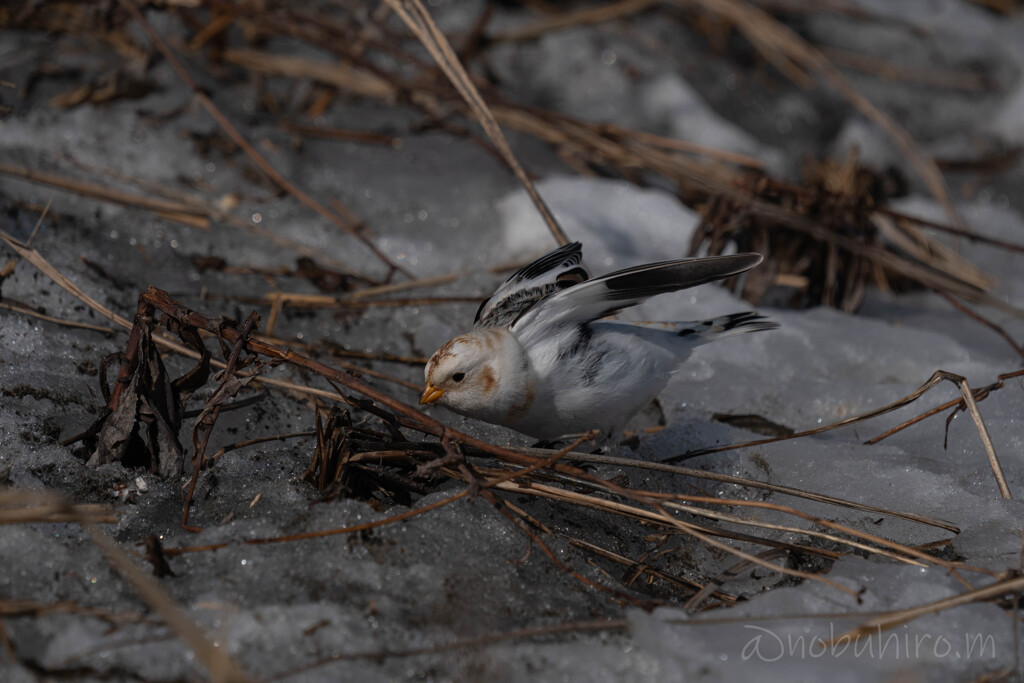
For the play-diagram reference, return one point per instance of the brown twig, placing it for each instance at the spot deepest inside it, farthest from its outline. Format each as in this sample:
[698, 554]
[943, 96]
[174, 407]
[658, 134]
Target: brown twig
[984, 321]
[576, 17]
[357, 528]
[341, 134]
[937, 377]
[639, 568]
[208, 418]
[221, 667]
[942, 78]
[252, 442]
[25, 309]
[24, 507]
[726, 575]
[979, 395]
[590, 458]
[998, 589]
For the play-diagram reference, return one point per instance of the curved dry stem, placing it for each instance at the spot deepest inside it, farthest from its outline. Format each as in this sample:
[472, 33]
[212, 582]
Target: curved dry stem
[937, 377]
[418, 19]
[753, 559]
[658, 499]
[912, 552]
[753, 483]
[659, 515]
[1003, 587]
[735, 519]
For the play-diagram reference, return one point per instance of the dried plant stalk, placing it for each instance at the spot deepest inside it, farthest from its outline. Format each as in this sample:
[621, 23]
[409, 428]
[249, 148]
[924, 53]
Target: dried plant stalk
[418, 19]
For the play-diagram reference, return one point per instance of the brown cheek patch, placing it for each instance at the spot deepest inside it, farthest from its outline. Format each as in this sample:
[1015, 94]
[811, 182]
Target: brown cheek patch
[517, 411]
[487, 379]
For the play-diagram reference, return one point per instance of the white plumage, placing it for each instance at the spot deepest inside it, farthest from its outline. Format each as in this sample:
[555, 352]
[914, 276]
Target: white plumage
[542, 361]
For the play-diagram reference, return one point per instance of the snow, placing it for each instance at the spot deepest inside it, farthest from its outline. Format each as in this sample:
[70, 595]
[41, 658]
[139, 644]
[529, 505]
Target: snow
[620, 224]
[682, 113]
[439, 204]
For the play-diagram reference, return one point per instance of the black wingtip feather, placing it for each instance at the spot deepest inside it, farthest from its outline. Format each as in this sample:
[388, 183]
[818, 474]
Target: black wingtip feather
[569, 254]
[669, 276]
[747, 321]
[611, 293]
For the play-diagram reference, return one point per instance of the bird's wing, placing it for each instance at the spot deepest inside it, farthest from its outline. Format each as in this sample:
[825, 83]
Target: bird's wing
[530, 284]
[612, 293]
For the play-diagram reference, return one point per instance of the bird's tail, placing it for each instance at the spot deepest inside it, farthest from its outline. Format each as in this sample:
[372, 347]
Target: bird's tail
[725, 326]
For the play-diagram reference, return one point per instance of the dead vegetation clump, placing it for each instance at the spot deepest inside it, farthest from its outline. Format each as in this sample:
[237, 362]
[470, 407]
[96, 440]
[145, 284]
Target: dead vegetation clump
[844, 241]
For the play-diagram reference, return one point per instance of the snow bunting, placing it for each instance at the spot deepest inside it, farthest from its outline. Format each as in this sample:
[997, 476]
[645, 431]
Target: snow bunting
[541, 360]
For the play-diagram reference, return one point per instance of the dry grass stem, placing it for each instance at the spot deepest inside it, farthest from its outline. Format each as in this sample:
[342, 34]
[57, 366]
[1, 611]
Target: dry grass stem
[904, 219]
[357, 528]
[252, 442]
[1003, 587]
[580, 457]
[39, 262]
[937, 377]
[17, 307]
[907, 550]
[47, 507]
[725, 517]
[35, 258]
[191, 211]
[984, 321]
[221, 667]
[979, 395]
[577, 17]
[418, 19]
[669, 500]
[659, 516]
[27, 507]
[640, 568]
[941, 78]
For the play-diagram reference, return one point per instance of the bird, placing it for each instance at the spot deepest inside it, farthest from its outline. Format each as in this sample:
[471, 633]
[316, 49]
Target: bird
[544, 360]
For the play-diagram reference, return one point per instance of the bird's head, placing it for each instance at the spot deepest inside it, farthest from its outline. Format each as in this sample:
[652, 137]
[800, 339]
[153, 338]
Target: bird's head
[461, 375]
[483, 374]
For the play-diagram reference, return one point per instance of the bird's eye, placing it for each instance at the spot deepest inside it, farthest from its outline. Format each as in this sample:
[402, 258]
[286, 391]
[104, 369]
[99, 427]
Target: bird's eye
[458, 376]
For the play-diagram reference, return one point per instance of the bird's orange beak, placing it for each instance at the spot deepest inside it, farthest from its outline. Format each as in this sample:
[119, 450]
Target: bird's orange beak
[430, 394]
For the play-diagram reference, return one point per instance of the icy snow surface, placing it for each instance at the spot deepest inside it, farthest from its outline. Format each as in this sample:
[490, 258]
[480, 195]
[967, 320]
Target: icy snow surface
[439, 204]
